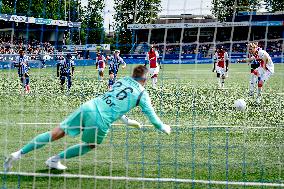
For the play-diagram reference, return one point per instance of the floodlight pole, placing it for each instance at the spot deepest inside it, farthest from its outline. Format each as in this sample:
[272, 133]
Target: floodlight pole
[69, 11]
[65, 10]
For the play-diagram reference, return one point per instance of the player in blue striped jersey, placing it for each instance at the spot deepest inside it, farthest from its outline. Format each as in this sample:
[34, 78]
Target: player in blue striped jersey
[114, 63]
[65, 70]
[23, 70]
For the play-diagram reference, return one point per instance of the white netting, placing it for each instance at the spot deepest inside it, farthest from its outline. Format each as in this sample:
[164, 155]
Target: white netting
[211, 144]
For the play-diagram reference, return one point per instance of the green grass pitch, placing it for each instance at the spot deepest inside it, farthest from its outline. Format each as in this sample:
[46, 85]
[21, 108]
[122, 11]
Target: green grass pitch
[210, 140]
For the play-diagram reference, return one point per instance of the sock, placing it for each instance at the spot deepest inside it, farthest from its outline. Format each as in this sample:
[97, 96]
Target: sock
[76, 150]
[17, 155]
[222, 81]
[219, 81]
[153, 81]
[259, 91]
[38, 142]
[252, 82]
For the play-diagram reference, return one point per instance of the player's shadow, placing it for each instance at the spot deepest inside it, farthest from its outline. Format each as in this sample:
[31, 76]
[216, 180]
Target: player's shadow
[50, 171]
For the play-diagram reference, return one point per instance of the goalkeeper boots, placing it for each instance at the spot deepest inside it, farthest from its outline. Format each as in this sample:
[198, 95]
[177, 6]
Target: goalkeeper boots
[13, 157]
[54, 163]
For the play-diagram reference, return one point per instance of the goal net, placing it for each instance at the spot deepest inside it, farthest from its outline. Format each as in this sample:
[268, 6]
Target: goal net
[212, 143]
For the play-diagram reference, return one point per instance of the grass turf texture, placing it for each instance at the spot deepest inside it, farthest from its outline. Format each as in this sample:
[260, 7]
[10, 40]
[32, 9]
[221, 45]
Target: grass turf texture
[248, 148]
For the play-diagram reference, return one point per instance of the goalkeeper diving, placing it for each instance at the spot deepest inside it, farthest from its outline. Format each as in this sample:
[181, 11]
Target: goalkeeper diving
[93, 120]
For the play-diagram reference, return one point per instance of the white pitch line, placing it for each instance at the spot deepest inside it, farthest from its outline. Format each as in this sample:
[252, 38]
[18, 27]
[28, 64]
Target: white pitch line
[115, 124]
[38, 123]
[146, 179]
[190, 126]
[275, 93]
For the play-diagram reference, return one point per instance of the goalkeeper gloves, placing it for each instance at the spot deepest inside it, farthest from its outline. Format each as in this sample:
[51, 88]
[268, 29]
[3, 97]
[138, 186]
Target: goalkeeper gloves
[134, 124]
[130, 122]
[166, 129]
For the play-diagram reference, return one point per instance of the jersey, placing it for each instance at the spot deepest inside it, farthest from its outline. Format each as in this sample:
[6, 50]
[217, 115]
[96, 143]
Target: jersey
[114, 63]
[65, 65]
[22, 64]
[152, 57]
[126, 94]
[221, 57]
[23, 69]
[100, 60]
[254, 63]
[262, 54]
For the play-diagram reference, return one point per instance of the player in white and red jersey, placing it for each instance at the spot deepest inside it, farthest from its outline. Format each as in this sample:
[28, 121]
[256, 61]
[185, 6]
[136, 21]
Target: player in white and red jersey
[221, 63]
[100, 65]
[152, 58]
[254, 64]
[265, 69]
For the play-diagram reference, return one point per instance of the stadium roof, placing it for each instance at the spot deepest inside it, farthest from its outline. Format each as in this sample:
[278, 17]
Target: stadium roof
[203, 21]
[184, 18]
[32, 20]
[255, 16]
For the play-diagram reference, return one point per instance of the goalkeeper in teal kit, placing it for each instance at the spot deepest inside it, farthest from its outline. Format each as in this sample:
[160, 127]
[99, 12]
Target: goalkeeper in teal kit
[93, 120]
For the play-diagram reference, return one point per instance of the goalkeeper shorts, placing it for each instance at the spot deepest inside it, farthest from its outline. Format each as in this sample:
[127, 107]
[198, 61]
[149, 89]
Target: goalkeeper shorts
[84, 120]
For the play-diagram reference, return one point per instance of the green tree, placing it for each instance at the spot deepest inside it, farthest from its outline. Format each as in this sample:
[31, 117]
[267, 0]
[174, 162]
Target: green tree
[6, 6]
[132, 12]
[22, 7]
[51, 9]
[92, 22]
[223, 8]
[55, 9]
[274, 5]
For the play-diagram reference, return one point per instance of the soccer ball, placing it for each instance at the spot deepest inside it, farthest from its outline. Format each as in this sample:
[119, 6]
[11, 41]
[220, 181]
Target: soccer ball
[240, 104]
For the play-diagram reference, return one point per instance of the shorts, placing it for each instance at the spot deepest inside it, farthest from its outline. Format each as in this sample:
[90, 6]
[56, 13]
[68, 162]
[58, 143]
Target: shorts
[63, 78]
[101, 69]
[154, 71]
[220, 70]
[112, 71]
[25, 79]
[85, 119]
[263, 74]
[253, 67]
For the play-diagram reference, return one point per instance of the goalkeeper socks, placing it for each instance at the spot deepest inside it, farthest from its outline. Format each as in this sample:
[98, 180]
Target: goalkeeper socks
[38, 142]
[76, 150]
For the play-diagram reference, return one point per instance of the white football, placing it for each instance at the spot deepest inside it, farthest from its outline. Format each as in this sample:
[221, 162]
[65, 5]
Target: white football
[240, 104]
